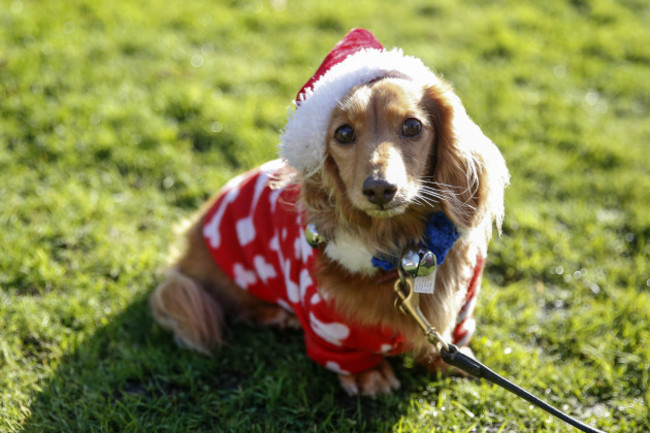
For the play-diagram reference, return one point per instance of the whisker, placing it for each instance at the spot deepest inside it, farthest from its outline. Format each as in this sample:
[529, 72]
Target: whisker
[440, 185]
[430, 193]
[423, 201]
[424, 181]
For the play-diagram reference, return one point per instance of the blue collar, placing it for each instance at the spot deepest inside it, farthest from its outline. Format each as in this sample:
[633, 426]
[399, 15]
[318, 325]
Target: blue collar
[439, 236]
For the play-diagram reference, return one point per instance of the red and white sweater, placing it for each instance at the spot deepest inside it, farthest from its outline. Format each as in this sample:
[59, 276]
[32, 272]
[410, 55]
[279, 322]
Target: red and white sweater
[256, 235]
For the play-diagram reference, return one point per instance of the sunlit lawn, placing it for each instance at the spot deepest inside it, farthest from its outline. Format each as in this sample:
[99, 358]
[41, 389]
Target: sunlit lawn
[118, 119]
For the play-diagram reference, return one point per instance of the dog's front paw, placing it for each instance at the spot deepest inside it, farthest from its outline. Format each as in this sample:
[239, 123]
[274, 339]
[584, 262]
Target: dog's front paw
[377, 380]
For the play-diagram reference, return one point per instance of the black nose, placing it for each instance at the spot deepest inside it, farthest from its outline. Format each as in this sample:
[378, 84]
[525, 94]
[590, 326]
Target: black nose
[378, 191]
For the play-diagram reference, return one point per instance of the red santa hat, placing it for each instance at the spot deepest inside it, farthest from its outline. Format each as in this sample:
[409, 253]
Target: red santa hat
[357, 59]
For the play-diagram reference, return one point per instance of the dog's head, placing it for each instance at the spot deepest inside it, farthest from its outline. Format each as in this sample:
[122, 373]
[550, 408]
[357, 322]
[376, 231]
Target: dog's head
[395, 147]
[381, 142]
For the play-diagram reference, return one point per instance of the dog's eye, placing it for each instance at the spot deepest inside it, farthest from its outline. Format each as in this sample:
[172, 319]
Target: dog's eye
[411, 128]
[345, 134]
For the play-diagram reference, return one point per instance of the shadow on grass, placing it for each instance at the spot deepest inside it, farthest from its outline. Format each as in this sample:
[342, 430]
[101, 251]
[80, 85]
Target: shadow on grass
[130, 376]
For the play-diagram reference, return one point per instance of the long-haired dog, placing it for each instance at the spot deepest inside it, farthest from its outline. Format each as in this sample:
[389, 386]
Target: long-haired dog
[378, 156]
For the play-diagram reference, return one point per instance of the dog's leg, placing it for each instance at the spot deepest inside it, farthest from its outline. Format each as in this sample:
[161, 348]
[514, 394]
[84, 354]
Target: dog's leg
[267, 314]
[373, 382]
[192, 301]
[185, 303]
[182, 305]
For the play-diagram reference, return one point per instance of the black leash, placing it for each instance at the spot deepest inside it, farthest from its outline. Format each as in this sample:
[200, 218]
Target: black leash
[456, 358]
[408, 302]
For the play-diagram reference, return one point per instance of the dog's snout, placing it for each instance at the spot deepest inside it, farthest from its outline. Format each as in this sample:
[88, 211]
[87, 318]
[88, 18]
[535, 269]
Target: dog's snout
[378, 191]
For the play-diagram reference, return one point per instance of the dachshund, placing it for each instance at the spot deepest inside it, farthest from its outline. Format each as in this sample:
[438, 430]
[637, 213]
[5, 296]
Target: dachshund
[379, 155]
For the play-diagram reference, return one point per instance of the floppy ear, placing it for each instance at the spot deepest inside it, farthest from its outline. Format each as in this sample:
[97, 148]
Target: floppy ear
[468, 169]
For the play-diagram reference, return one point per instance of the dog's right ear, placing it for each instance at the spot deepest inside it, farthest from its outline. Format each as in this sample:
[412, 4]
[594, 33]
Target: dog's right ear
[468, 169]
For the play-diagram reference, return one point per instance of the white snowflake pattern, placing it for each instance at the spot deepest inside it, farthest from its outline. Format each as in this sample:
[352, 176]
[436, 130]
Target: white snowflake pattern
[264, 269]
[293, 290]
[211, 230]
[305, 282]
[243, 277]
[334, 333]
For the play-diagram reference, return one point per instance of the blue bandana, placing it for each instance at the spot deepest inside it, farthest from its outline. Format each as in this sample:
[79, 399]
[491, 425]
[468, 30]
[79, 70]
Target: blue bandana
[439, 233]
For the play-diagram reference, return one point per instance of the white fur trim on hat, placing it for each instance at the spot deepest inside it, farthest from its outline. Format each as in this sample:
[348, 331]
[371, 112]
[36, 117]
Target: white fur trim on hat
[302, 142]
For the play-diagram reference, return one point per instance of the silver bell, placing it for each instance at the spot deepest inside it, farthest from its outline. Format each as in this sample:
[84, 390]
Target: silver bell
[313, 238]
[418, 262]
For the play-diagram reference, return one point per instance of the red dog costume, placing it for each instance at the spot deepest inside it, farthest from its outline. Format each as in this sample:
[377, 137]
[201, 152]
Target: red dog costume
[256, 234]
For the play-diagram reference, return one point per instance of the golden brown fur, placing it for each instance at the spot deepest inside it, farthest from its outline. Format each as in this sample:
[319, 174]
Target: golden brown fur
[450, 165]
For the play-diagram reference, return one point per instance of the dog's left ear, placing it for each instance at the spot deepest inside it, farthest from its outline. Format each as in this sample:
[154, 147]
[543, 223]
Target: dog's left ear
[468, 169]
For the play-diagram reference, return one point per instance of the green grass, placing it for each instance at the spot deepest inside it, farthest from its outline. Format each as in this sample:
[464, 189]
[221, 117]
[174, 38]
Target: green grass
[118, 119]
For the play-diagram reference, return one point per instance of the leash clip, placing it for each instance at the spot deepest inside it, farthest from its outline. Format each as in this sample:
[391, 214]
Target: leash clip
[407, 302]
